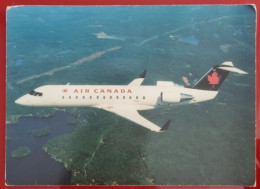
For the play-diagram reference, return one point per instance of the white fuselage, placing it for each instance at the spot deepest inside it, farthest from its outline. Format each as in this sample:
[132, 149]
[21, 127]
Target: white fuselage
[126, 100]
[141, 97]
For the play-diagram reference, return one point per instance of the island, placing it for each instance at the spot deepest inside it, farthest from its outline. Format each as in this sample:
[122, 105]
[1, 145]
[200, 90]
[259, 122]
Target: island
[21, 152]
[39, 132]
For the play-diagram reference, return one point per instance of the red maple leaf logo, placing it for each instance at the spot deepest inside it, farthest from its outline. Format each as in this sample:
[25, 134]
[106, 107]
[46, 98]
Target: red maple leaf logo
[65, 90]
[213, 79]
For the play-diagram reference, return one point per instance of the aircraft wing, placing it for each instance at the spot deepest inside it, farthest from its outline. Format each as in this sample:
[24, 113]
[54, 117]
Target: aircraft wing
[132, 115]
[138, 81]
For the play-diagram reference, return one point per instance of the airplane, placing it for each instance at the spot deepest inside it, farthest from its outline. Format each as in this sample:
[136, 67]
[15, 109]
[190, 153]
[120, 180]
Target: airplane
[126, 100]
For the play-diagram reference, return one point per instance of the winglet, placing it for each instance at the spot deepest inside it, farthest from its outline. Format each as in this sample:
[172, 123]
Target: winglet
[139, 80]
[166, 126]
[143, 74]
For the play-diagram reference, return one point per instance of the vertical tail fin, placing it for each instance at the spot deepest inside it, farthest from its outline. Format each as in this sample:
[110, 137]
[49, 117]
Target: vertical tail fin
[213, 79]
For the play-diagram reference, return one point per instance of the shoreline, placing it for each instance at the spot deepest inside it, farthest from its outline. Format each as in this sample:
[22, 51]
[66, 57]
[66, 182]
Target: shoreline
[38, 158]
[16, 117]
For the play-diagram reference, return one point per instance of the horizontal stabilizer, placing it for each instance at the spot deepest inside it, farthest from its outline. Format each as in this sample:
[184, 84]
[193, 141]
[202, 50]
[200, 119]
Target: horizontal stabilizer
[232, 69]
[228, 66]
[166, 126]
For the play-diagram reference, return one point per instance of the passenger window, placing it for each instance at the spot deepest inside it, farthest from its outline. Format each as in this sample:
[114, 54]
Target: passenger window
[117, 97]
[111, 97]
[97, 97]
[144, 97]
[63, 97]
[136, 97]
[69, 97]
[104, 97]
[130, 97]
[90, 97]
[123, 97]
[83, 97]
[76, 97]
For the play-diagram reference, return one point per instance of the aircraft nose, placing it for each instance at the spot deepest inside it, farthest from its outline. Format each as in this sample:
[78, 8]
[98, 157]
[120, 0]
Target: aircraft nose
[18, 101]
[21, 101]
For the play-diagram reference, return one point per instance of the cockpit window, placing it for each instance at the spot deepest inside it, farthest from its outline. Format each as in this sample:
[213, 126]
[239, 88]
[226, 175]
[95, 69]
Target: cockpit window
[34, 93]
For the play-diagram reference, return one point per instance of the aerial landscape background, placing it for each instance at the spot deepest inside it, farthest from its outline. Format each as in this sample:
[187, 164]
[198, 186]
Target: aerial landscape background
[210, 143]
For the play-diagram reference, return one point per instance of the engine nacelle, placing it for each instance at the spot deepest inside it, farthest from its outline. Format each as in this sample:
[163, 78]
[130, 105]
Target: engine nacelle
[173, 97]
